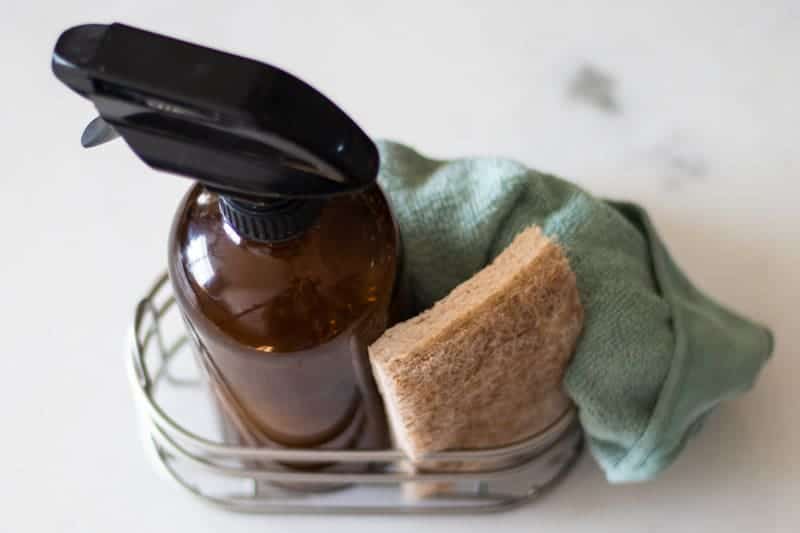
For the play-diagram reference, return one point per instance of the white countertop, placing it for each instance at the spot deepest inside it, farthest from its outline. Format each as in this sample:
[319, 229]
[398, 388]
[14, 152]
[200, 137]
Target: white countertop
[691, 110]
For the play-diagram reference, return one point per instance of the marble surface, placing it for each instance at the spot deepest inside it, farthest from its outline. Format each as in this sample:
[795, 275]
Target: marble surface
[690, 108]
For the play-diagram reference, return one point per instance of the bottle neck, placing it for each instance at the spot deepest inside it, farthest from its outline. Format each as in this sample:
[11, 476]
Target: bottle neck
[269, 221]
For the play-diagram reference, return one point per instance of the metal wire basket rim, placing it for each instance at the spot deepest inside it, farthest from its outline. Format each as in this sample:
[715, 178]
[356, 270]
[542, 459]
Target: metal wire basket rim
[380, 477]
[496, 502]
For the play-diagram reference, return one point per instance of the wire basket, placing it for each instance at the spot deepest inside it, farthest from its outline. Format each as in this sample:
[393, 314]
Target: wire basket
[180, 432]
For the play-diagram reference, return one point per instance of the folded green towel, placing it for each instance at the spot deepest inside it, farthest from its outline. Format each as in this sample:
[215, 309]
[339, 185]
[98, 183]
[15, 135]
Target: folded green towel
[655, 356]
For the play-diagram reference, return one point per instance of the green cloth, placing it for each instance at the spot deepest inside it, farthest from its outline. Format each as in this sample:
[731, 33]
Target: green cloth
[655, 355]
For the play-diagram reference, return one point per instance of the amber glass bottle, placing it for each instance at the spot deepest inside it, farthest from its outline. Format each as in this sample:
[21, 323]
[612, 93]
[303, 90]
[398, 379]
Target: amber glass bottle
[282, 327]
[283, 255]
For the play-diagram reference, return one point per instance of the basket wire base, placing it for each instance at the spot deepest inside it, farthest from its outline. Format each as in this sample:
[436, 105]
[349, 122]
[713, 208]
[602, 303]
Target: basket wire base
[167, 389]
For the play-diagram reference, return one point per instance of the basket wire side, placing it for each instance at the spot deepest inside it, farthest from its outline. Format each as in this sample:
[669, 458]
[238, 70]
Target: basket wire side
[254, 480]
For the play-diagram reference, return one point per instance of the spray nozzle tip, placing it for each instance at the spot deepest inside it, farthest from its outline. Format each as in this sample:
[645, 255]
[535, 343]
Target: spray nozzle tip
[98, 132]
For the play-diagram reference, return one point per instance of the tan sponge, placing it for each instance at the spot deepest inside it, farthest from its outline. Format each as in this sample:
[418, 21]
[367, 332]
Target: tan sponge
[483, 367]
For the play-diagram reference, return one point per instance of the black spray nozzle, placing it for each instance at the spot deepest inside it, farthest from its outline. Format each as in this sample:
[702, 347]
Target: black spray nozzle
[243, 128]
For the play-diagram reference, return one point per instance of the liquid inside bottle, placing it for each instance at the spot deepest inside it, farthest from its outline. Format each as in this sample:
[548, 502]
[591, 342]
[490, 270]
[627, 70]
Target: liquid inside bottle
[281, 329]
